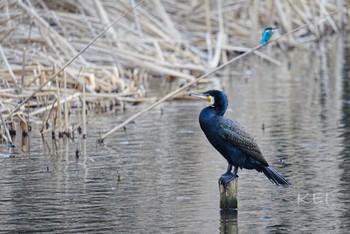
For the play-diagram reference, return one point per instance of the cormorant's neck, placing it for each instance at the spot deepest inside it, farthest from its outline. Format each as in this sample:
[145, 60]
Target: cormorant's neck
[212, 111]
[220, 106]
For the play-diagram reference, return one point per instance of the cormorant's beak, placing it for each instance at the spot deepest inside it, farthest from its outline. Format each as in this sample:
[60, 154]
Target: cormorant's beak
[199, 95]
[208, 98]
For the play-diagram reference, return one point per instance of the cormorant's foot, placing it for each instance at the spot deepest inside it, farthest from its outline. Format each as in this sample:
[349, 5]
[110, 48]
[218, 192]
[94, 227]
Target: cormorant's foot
[226, 178]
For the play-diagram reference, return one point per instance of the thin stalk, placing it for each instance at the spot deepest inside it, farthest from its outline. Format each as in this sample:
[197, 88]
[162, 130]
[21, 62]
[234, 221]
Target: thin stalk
[84, 110]
[177, 91]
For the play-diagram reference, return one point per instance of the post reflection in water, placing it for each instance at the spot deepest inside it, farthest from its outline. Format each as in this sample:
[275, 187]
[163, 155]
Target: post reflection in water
[160, 175]
[228, 221]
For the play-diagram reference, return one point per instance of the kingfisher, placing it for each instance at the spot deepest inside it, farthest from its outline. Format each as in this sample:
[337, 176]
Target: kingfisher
[267, 34]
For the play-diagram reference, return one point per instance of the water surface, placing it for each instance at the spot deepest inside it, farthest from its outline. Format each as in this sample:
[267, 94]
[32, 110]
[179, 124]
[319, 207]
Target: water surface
[160, 174]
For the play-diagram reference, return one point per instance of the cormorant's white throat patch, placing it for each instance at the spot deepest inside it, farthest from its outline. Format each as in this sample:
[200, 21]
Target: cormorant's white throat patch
[211, 100]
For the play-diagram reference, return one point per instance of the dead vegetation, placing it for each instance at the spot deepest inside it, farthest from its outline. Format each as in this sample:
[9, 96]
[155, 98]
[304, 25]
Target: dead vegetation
[176, 39]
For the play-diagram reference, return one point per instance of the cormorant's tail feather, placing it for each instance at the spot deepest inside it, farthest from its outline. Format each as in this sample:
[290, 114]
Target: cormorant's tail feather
[274, 176]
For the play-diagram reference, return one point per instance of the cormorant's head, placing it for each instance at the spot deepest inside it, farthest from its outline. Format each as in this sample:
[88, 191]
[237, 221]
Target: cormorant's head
[216, 98]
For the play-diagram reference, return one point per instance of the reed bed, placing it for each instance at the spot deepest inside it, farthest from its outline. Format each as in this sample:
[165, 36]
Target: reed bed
[170, 39]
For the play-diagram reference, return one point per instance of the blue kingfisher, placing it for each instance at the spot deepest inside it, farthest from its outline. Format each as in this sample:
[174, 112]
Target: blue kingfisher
[267, 34]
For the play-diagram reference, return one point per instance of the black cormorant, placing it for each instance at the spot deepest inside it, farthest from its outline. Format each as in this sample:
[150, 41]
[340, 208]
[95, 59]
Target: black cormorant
[232, 141]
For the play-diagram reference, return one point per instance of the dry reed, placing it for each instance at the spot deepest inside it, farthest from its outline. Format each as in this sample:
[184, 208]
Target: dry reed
[164, 38]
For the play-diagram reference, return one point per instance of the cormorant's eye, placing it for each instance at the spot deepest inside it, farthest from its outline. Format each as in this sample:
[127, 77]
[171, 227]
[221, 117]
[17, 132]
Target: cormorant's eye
[210, 99]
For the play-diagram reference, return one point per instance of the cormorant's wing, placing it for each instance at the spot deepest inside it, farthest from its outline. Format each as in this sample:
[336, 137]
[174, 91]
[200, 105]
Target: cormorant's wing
[234, 133]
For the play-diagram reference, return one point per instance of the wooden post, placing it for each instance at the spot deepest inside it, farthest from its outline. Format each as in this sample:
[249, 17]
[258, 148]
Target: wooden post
[228, 194]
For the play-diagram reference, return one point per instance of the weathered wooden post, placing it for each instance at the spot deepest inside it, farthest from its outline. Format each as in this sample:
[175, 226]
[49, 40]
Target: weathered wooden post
[228, 194]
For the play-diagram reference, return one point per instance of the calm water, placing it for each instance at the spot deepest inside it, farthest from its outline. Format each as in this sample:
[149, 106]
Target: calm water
[160, 175]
